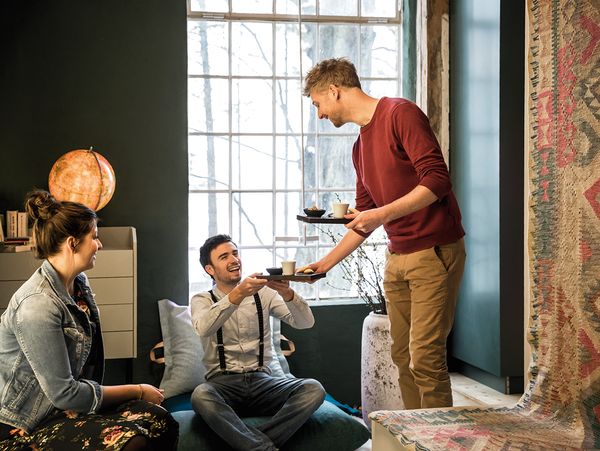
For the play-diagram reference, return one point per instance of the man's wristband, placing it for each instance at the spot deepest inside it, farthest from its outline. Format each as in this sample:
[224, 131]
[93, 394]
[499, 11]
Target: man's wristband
[141, 392]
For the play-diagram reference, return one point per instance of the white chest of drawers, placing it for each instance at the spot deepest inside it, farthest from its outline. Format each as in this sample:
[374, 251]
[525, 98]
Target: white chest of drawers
[113, 280]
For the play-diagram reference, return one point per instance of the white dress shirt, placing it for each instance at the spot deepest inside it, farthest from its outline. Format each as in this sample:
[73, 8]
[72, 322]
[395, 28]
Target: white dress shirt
[240, 327]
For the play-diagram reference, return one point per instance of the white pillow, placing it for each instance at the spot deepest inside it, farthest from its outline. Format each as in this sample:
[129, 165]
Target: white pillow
[183, 350]
[184, 370]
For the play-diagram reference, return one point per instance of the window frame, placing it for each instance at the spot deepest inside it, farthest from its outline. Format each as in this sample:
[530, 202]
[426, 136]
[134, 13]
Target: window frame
[285, 242]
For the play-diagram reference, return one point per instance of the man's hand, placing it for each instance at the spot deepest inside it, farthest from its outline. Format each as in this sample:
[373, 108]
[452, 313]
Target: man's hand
[366, 221]
[247, 287]
[283, 288]
[316, 267]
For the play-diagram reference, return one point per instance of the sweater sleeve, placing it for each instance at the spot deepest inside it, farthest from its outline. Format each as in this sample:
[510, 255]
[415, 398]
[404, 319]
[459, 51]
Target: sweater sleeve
[420, 144]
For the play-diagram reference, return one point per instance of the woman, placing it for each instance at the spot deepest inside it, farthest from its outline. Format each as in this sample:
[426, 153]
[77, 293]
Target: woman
[51, 353]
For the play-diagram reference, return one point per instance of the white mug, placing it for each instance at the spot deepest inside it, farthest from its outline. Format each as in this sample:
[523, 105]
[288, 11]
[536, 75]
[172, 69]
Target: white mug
[339, 210]
[289, 267]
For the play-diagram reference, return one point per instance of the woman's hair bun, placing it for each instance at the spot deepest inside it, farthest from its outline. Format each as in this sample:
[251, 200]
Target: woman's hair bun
[41, 205]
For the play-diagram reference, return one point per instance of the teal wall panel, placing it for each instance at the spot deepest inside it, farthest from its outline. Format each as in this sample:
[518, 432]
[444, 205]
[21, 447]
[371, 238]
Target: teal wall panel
[487, 97]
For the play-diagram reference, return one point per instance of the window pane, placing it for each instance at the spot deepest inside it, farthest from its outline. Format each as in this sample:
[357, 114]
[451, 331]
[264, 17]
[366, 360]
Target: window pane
[288, 97]
[252, 162]
[337, 41]
[208, 215]
[379, 51]
[208, 105]
[252, 215]
[221, 6]
[287, 49]
[291, 6]
[381, 88]
[208, 51]
[309, 46]
[288, 172]
[310, 162]
[288, 205]
[335, 162]
[335, 284]
[287, 58]
[252, 48]
[338, 8]
[199, 279]
[310, 116]
[208, 162]
[252, 6]
[379, 8]
[252, 106]
[255, 260]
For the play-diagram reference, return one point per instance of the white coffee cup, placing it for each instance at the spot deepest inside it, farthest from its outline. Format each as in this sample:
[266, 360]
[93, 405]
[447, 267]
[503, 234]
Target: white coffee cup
[288, 267]
[339, 209]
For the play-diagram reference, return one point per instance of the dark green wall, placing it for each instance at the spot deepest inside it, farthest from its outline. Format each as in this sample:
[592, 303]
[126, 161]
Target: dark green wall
[109, 74]
[330, 351]
[487, 163]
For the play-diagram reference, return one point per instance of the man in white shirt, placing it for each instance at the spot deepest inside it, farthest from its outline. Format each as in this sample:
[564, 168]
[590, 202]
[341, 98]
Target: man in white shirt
[233, 322]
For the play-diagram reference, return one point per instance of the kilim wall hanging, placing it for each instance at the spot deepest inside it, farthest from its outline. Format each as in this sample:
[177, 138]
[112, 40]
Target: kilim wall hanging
[561, 406]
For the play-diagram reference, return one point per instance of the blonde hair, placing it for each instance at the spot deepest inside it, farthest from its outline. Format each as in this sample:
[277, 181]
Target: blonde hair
[55, 221]
[335, 71]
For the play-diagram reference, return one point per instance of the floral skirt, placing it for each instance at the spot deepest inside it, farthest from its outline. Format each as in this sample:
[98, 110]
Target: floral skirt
[107, 430]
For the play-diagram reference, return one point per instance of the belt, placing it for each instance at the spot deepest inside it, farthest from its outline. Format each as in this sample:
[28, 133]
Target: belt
[226, 373]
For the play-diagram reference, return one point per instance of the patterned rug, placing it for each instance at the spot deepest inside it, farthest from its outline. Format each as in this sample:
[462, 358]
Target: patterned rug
[561, 406]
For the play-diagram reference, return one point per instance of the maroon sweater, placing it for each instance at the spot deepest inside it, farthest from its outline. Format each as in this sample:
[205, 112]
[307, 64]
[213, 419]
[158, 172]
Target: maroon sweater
[393, 154]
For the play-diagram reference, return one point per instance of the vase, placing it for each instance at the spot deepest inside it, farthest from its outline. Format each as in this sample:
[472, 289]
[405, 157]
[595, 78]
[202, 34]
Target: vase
[378, 373]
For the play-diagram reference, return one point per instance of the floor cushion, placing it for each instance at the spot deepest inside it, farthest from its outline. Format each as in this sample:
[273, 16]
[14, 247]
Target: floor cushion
[327, 429]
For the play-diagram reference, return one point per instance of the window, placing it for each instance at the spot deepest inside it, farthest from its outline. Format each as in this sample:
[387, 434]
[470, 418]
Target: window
[258, 154]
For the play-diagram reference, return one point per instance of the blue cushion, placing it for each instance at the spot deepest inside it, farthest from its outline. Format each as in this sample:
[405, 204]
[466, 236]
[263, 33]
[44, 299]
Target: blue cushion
[327, 429]
[178, 403]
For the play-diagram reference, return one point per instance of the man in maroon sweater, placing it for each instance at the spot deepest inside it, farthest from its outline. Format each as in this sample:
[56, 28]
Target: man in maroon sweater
[402, 183]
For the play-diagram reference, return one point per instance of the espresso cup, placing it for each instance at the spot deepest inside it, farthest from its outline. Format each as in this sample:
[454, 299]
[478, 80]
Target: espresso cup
[289, 267]
[339, 209]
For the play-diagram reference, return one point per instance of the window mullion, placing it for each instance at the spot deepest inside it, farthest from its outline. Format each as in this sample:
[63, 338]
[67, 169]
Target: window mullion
[230, 121]
[273, 140]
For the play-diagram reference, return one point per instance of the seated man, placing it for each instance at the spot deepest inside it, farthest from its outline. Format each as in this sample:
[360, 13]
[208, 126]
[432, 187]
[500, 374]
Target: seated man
[233, 321]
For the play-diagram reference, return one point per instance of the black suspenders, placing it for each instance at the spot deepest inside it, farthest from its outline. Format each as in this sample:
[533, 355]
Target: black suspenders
[261, 332]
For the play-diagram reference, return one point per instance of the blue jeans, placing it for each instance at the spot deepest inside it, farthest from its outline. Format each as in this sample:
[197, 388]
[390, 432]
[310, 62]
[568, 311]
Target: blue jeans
[224, 398]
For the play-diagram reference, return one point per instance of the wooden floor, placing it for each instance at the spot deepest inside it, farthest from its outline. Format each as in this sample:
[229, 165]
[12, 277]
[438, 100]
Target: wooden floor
[467, 392]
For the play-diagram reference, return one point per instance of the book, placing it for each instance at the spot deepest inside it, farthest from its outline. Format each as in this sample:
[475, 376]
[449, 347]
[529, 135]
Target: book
[11, 223]
[4, 248]
[22, 224]
[16, 241]
[1, 228]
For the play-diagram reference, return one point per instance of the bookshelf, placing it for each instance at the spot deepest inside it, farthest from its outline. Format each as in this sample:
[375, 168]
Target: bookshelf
[113, 280]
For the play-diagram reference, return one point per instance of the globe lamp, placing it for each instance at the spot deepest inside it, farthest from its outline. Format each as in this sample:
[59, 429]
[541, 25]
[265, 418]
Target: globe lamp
[82, 176]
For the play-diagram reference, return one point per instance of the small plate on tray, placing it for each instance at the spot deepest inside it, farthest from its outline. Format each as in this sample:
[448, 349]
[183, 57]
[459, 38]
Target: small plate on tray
[298, 277]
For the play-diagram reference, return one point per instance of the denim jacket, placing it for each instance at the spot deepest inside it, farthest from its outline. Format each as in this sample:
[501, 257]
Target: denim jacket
[45, 340]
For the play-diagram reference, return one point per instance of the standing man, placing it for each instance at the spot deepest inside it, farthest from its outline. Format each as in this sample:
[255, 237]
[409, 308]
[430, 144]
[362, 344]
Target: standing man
[233, 321]
[403, 184]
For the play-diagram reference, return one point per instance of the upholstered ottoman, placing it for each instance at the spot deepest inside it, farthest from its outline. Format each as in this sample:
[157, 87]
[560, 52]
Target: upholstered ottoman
[328, 429]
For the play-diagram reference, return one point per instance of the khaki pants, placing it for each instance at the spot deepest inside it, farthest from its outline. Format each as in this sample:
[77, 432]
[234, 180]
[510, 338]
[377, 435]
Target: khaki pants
[421, 290]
